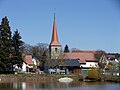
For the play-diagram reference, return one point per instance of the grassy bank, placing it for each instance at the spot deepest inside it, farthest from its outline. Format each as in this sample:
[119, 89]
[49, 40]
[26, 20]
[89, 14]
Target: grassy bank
[47, 77]
[35, 77]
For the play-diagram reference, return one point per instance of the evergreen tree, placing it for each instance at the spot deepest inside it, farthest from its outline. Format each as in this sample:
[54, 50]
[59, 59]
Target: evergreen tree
[66, 49]
[5, 45]
[17, 54]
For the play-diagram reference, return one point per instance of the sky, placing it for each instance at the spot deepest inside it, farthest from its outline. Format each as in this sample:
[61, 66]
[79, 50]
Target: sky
[81, 24]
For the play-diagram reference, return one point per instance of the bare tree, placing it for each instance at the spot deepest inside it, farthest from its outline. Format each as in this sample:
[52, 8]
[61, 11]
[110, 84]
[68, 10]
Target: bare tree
[99, 53]
[26, 49]
[40, 49]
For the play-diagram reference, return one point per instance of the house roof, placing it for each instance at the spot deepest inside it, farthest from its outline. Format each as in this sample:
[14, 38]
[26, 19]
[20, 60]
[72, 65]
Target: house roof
[71, 62]
[28, 59]
[110, 56]
[63, 62]
[54, 41]
[82, 55]
[84, 51]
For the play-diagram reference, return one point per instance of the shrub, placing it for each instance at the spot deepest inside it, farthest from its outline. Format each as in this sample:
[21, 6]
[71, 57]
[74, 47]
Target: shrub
[93, 74]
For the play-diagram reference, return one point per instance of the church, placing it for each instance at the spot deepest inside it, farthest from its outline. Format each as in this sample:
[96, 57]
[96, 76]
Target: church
[85, 58]
[55, 46]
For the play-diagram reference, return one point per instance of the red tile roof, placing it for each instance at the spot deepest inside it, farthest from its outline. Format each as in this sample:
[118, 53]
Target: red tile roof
[28, 59]
[85, 51]
[83, 55]
[110, 56]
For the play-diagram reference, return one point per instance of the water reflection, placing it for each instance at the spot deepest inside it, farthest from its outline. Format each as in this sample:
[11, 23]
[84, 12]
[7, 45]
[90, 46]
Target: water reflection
[31, 85]
[21, 85]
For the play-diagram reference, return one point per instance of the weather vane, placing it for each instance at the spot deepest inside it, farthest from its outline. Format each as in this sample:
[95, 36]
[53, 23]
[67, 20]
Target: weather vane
[54, 11]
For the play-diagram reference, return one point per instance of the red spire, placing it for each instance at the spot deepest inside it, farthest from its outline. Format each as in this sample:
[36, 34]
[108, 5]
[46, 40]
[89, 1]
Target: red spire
[54, 41]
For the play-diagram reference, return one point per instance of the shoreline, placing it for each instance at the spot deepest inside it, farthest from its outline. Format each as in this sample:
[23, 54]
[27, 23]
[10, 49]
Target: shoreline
[48, 78]
[34, 77]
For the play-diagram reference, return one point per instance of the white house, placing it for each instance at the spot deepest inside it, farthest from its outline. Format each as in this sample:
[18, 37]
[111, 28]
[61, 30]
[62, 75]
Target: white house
[86, 57]
[28, 63]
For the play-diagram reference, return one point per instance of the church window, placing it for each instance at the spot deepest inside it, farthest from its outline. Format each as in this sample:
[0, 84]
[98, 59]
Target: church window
[56, 49]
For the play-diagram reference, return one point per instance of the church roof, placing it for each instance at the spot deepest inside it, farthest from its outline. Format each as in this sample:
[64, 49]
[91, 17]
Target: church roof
[55, 41]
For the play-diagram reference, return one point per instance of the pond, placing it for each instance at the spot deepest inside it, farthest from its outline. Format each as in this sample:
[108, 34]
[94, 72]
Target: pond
[31, 85]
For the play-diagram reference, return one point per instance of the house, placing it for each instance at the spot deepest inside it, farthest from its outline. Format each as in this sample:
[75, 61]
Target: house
[30, 64]
[86, 57]
[109, 64]
[37, 60]
[27, 64]
[110, 56]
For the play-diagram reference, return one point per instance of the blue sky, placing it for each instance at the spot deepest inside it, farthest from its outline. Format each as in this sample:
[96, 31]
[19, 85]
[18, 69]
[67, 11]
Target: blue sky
[81, 24]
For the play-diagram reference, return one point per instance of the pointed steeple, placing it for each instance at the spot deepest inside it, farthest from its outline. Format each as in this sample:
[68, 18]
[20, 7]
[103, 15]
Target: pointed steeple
[55, 41]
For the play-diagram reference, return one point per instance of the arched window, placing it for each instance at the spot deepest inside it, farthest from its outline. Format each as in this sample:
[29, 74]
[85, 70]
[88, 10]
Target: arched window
[56, 49]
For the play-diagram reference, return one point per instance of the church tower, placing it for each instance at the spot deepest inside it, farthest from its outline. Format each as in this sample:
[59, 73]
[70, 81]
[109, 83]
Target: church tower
[55, 46]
